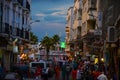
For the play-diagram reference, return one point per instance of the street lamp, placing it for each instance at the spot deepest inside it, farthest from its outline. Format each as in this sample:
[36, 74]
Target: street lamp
[34, 21]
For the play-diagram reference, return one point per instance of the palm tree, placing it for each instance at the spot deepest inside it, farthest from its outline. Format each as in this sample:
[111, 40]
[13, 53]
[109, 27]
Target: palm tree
[33, 38]
[55, 40]
[49, 42]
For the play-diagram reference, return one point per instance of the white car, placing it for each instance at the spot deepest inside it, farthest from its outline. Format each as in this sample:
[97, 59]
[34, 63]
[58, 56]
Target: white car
[33, 65]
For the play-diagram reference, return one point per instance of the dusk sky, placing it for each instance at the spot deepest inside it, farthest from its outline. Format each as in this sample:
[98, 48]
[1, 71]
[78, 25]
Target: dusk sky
[52, 15]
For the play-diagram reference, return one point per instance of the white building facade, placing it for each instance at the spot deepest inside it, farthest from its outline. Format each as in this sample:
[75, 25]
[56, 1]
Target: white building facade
[14, 25]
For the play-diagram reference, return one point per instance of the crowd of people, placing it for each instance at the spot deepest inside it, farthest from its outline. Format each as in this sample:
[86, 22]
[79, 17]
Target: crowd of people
[80, 70]
[71, 70]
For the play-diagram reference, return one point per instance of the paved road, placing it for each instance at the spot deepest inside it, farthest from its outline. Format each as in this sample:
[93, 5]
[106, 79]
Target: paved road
[53, 78]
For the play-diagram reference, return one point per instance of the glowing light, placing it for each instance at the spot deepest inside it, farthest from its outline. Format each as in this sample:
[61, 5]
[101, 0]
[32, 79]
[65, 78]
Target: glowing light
[102, 59]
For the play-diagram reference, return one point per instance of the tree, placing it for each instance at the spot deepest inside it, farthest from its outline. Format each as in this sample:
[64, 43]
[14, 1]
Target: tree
[33, 38]
[55, 40]
[48, 42]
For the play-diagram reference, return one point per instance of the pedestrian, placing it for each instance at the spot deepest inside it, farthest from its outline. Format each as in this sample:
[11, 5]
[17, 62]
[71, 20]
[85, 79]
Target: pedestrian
[68, 71]
[78, 76]
[63, 71]
[45, 77]
[38, 72]
[57, 72]
[74, 74]
[2, 71]
[90, 75]
[96, 73]
[102, 76]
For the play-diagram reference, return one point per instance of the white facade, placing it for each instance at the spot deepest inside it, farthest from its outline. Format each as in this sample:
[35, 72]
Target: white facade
[14, 24]
[16, 15]
[77, 18]
[69, 27]
[70, 18]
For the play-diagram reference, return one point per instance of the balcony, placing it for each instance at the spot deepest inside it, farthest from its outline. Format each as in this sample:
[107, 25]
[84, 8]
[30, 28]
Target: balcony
[15, 2]
[92, 5]
[77, 23]
[67, 30]
[26, 6]
[18, 32]
[1, 27]
[7, 29]
[27, 35]
[91, 18]
[9, 0]
[22, 33]
[4, 29]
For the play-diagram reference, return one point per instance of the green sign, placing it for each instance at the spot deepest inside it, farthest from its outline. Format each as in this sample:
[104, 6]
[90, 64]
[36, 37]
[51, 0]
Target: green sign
[62, 44]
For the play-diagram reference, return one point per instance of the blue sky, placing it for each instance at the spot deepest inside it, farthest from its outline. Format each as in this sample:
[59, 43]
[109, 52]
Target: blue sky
[52, 15]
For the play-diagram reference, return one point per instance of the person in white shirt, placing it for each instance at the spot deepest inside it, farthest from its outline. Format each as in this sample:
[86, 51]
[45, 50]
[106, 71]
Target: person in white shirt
[78, 76]
[102, 76]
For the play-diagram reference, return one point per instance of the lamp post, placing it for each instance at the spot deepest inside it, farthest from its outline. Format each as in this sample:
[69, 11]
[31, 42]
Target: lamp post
[32, 23]
[30, 26]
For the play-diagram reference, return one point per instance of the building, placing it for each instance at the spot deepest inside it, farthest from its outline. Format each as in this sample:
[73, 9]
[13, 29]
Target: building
[77, 25]
[69, 31]
[111, 35]
[14, 29]
[73, 29]
[89, 12]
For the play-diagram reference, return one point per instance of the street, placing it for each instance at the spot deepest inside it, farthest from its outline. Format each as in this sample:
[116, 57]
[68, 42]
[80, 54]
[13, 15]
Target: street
[53, 78]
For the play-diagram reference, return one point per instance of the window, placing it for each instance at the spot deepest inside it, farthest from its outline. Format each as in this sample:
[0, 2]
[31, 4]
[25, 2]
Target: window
[1, 13]
[13, 22]
[93, 3]
[7, 14]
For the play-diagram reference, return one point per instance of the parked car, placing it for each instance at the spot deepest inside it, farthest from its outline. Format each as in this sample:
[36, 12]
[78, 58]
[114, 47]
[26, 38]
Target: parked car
[33, 65]
[44, 65]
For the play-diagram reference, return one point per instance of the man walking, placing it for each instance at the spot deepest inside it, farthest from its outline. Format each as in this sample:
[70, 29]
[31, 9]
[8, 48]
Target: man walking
[102, 76]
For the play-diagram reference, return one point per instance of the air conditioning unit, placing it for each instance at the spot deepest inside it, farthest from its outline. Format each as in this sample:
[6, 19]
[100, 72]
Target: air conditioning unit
[111, 34]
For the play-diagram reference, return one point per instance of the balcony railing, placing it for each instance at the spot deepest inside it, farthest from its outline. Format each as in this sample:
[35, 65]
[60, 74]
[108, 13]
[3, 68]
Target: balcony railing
[22, 33]
[7, 29]
[92, 5]
[26, 35]
[15, 2]
[77, 23]
[91, 15]
[26, 6]
[1, 27]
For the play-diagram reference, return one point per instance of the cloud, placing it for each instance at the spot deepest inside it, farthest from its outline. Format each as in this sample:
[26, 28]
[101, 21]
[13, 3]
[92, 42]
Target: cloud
[62, 7]
[40, 14]
[55, 24]
[58, 13]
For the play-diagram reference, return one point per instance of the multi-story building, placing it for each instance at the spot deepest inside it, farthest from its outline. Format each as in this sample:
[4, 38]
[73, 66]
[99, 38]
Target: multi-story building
[73, 29]
[69, 31]
[88, 26]
[14, 27]
[111, 35]
[100, 32]
[77, 25]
